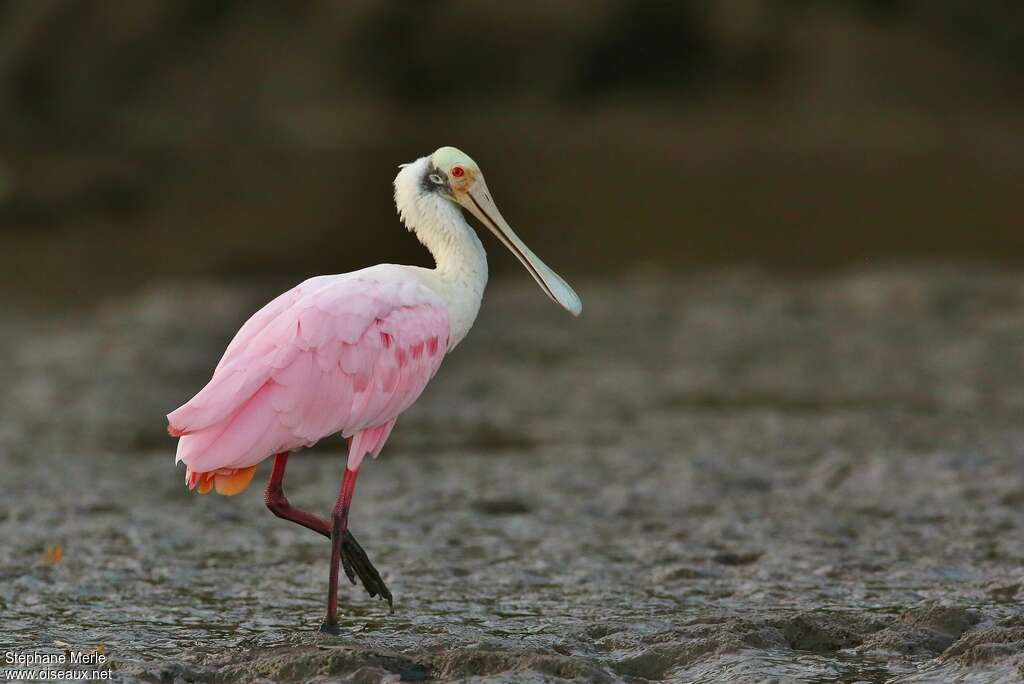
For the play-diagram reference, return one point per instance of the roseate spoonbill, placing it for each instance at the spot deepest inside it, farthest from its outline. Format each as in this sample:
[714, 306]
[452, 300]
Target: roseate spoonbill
[349, 353]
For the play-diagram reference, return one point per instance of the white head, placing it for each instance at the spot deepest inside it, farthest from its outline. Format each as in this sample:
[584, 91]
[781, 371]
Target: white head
[451, 175]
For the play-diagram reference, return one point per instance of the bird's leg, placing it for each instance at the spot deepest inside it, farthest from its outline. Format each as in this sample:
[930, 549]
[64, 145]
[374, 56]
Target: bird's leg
[279, 505]
[354, 560]
[339, 524]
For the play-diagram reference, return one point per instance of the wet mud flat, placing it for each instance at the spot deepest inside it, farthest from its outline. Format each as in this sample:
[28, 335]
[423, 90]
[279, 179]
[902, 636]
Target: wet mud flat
[731, 476]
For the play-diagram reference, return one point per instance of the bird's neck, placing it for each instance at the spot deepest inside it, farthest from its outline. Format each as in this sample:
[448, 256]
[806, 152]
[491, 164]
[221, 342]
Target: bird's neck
[460, 274]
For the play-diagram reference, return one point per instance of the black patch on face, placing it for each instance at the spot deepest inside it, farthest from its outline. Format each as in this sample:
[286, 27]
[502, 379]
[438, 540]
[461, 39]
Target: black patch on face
[435, 180]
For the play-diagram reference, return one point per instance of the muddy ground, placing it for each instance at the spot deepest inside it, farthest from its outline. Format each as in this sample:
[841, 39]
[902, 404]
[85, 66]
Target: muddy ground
[725, 477]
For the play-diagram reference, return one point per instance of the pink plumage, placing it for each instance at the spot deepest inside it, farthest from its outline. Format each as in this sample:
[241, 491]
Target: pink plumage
[348, 354]
[340, 353]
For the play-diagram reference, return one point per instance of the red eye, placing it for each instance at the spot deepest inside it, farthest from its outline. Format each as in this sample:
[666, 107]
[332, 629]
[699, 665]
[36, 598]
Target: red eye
[458, 172]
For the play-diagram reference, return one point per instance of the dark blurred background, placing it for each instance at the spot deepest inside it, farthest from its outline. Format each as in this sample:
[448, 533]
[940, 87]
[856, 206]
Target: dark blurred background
[168, 139]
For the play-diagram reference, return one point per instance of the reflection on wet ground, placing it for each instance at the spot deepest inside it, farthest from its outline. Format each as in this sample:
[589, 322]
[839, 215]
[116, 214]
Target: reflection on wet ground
[725, 477]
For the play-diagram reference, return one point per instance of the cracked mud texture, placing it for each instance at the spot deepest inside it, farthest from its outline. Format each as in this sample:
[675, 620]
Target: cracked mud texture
[731, 476]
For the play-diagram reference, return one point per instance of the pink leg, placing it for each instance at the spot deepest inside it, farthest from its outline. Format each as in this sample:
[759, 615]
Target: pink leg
[339, 525]
[280, 506]
[354, 559]
[278, 503]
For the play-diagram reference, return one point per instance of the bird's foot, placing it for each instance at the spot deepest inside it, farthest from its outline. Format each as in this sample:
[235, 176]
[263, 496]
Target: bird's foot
[355, 563]
[332, 628]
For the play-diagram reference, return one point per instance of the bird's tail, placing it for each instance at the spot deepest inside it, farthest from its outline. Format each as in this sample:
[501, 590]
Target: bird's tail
[227, 481]
[223, 454]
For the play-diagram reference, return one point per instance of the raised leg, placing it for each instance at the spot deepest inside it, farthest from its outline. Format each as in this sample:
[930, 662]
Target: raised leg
[279, 505]
[354, 560]
[339, 525]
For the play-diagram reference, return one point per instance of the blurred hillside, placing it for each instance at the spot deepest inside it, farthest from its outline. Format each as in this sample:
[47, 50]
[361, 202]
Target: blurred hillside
[174, 138]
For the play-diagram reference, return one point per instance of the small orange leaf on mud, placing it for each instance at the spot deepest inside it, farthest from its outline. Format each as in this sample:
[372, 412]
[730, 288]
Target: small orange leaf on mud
[52, 554]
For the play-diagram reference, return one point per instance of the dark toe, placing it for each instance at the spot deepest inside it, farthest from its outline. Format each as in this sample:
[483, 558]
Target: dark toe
[330, 628]
[360, 564]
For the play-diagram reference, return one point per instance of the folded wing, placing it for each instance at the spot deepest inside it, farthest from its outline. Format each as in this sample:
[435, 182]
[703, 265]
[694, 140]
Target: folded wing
[344, 353]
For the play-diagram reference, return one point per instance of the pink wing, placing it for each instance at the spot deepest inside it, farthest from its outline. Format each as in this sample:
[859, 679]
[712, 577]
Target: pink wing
[345, 353]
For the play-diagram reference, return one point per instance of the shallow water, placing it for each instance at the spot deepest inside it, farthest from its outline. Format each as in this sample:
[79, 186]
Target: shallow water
[725, 477]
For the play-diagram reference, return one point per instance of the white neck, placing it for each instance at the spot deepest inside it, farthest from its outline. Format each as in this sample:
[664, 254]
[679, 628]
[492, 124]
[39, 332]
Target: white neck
[461, 272]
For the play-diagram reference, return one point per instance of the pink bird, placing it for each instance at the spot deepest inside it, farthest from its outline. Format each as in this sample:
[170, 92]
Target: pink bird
[348, 354]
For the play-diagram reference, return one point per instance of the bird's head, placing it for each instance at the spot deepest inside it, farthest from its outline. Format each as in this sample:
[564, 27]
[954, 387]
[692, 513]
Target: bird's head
[451, 173]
